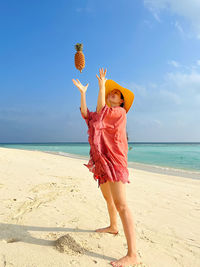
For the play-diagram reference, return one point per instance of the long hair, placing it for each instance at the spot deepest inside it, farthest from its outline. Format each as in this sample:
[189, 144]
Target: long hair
[122, 105]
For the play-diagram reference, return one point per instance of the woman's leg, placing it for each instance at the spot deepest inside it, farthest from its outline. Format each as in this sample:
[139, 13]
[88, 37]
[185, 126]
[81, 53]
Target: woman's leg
[119, 197]
[105, 189]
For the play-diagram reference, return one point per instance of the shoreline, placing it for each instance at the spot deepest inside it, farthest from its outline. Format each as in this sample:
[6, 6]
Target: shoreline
[195, 175]
[143, 167]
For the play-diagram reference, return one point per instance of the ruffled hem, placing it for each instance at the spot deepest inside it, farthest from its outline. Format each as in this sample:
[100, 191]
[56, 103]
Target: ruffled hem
[107, 172]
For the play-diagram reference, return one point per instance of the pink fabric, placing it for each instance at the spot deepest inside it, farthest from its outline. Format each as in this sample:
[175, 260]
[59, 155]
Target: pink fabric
[108, 144]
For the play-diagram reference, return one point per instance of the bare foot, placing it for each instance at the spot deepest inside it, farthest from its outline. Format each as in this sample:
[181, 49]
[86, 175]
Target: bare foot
[126, 261]
[108, 229]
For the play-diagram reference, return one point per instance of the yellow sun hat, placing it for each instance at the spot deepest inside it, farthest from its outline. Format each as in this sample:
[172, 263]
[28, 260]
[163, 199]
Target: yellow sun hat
[128, 95]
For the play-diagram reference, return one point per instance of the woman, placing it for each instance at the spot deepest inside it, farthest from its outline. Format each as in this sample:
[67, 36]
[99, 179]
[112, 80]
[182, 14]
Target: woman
[108, 156]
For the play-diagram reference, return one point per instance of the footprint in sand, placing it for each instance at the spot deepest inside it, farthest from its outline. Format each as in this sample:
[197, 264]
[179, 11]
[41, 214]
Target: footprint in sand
[42, 187]
[4, 262]
[53, 190]
[75, 219]
[29, 205]
[52, 236]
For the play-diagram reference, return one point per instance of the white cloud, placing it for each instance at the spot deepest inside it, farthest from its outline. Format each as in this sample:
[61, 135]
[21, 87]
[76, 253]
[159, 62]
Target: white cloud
[189, 82]
[174, 63]
[179, 28]
[179, 91]
[170, 96]
[155, 14]
[189, 10]
[138, 90]
[152, 85]
[198, 62]
[148, 23]
[157, 122]
[167, 111]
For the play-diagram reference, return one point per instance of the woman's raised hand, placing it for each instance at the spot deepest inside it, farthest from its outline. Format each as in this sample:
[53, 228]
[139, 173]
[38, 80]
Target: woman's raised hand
[81, 88]
[102, 79]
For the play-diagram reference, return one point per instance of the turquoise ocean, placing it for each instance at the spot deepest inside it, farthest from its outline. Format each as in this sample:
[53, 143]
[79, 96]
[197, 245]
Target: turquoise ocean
[182, 159]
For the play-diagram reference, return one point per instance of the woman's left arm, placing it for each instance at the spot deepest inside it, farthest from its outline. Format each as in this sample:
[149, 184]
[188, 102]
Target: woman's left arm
[101, 96]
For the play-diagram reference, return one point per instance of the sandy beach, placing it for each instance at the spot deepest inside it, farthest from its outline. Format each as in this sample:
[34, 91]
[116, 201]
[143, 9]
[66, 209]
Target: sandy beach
[45, 196]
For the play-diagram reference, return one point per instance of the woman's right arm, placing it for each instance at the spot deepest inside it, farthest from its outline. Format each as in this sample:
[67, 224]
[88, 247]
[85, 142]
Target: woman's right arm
[101, 97]
[83, 105]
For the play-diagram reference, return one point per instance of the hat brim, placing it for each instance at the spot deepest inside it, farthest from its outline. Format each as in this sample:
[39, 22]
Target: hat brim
[128, 95]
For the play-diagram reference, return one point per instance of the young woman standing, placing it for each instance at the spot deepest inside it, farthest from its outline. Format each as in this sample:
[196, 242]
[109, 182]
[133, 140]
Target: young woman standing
[108, 156]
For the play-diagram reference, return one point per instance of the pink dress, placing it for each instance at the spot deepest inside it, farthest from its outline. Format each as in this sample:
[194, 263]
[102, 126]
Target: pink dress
[108, 144]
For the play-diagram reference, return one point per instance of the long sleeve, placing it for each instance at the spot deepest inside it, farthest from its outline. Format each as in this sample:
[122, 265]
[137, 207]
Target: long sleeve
[95, 116]
[88, 118]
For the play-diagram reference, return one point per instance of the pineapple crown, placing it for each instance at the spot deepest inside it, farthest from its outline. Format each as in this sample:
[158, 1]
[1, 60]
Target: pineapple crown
[79, 47]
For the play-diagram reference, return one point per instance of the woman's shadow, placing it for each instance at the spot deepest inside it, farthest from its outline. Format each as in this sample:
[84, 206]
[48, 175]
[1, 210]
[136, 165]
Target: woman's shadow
[20, 233]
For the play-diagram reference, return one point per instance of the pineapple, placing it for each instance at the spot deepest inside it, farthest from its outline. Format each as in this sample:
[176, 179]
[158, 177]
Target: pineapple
[79, 57]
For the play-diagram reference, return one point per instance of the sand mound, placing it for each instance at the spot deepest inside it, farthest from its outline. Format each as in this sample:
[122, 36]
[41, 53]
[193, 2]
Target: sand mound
[68, 245]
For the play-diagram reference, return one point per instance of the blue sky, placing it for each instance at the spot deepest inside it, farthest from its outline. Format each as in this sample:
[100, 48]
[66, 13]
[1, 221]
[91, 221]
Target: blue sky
[150, 47]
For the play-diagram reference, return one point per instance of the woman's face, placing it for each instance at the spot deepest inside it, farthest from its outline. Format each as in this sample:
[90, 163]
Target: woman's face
[114, 98]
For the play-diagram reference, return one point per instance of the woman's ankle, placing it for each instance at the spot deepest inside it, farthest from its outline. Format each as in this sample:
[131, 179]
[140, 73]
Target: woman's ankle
[113, 226]
[132, 254]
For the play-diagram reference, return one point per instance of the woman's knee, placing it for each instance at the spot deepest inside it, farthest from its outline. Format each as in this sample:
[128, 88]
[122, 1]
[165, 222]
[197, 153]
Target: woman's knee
[121, 206]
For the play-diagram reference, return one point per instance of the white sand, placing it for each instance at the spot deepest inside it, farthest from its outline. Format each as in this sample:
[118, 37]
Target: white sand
[45, 196]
